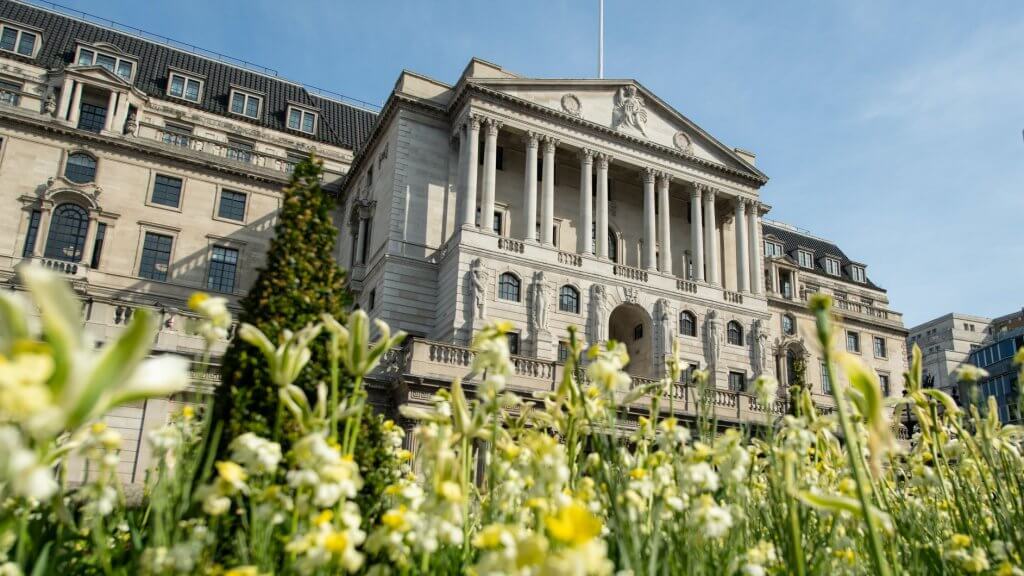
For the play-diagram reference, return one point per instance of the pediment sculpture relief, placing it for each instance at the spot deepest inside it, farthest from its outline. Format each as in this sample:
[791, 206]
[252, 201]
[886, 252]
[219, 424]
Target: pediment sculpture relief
[630, 110]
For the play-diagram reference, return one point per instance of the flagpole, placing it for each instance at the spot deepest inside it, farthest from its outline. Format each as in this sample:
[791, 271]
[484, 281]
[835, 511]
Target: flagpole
[600, 39]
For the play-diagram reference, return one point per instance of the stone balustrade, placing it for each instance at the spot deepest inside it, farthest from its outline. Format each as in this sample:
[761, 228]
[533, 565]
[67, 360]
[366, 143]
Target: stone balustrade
[732, 297]
[510, 245]
[216, 148]
[570, 259]
[630, 273]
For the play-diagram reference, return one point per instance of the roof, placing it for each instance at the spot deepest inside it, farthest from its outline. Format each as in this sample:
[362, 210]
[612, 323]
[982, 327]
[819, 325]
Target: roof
[793, 239]
[340, 124]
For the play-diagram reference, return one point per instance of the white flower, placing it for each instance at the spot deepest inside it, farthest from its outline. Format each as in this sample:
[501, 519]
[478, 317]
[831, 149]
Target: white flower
[216, 505]
[256, 454]
[702, 476]
[714, 521]
[216, 318]
[765, 389]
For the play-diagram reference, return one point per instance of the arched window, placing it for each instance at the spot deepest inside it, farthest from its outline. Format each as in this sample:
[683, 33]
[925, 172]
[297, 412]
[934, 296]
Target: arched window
[687, 323]
[80, 168]
[734, 333]
[68, 228]
[508, 287]
[613, 247]
[569, 299]
[788, 325]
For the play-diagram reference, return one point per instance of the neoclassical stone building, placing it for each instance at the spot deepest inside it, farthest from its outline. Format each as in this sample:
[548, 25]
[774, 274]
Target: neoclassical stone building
[590, 203]
[146, 171]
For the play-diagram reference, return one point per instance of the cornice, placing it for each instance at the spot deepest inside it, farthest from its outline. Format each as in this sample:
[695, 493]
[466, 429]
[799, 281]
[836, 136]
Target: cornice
[466, 89]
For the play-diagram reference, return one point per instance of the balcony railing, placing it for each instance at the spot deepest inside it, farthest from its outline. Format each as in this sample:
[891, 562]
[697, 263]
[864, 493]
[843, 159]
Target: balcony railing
[570, 259]
[75, 269]
[510, 245]
[216, 148]
[630, 273]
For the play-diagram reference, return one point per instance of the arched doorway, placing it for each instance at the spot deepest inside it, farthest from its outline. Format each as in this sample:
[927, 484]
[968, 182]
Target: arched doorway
[631, 325]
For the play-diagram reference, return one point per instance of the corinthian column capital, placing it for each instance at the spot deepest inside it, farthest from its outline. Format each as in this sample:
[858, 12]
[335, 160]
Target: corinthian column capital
[586, 156]
[550, 144]
[647, 174]
[493, 126]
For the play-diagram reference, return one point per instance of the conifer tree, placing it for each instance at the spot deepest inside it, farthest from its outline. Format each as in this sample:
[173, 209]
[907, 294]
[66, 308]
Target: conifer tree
[299, 281]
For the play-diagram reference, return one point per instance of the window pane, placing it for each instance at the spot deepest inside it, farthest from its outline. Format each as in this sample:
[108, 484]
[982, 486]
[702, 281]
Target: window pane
[33, 232]
[124, 69]
[307, 122]
[513, 343]
[9, 37]
[81, 168]
[232, 205]
[167, 190]
[192, 90]
[294, 119]
[85, 57]
[508, 287]
[569, 300]
[252, 107]
[177, 86]
[68, 228]
[156, 257]
[10, 93]
[27, 44]
[105, 61]
[238, 103]
[92, 118]
[97, 246]
[223, 264]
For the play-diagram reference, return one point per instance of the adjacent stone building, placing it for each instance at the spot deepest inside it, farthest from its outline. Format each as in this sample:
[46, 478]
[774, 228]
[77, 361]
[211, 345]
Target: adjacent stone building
[145, 171]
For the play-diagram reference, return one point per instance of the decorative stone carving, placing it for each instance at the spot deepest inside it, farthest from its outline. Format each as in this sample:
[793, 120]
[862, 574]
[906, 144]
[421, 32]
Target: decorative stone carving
[714, 338]
[133, 124]
[631, 295]
[539, 317]
[682, 142]
[478, 289]
[598, 331]
[630, 110]
[571, 105]
[50, 106]
[761, 352]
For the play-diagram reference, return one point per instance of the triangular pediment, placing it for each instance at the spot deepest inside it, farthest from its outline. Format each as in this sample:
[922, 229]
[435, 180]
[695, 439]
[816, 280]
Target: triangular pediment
[97, 72]
[624, 106]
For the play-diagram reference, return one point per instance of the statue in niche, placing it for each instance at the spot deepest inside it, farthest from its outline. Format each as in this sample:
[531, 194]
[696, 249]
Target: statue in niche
[598, 314]
[630, 110]
[50, 106]
[714, 335]
[760, 337]
[540, 302]
[478, 289]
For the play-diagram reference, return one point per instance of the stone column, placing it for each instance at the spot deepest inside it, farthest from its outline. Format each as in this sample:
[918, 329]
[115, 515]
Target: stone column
[601, 226]
[530, 188]
[696, 234]
[754, 249]
[584, 231]
[650, 226]
[742, 261]
[65, 99]
[108, 122]
[490, 173]
[469, 144]
[547, 205]
[76, 105]
[90, 237]
[711, 236]
[43, 234]
[664, 218]
[361, 241]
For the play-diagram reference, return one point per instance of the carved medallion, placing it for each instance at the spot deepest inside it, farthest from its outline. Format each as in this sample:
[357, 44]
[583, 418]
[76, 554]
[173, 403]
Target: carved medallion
[682, 142]
[571, 104]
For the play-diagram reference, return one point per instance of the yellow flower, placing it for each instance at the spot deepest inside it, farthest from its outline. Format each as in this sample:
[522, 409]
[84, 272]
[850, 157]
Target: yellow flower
[232, 473]
[573, 525]
[196, 300]
[451, 491]
[490, 536]
[324, 517]
[99, 427]
[188, 412]
[395, 519]
[242, 570]
[960, 541]
[637, 473]
[336, 542]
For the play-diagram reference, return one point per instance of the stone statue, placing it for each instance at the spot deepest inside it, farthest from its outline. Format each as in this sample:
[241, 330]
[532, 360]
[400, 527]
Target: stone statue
[714, 335]
[478, 288]
[540, 302]
[598, 314]
[760, 338]
[133, 123]
[630, 109]
[50, 106]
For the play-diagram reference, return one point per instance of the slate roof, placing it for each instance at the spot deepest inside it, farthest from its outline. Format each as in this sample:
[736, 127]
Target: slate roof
[792, 240]
[340, 124]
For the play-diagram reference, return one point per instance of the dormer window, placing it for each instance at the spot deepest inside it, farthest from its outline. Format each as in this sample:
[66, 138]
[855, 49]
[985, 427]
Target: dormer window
[805, 259]
[772, 249]
[184, 86]
[19, 41]
[301, 119]
[123, 67]
[245, 103]
[857, 273]
[832, 266]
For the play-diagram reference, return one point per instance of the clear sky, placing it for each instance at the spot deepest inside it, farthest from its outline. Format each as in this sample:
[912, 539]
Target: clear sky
[893, 128]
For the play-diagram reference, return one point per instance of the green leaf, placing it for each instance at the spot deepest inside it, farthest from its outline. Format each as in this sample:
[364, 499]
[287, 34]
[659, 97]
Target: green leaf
[61, 318]
[13, 326]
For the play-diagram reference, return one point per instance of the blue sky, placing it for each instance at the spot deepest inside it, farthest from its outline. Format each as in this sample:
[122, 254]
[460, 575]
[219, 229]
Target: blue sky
[893, 127]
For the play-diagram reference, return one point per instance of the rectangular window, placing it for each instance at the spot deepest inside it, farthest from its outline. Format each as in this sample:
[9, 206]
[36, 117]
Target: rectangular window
[853, 342]
[880, 351]
[156, 256]
[563, 351]
[240, 151]
[372, 303]
[883, 381]
[737, 381]
[166, 191]
[223, 265]
[826, 384]
[232, 205]
[772, 249]
[806, 259]
[33, 232]
[17, 40]
[832, 266]
[245, 104]
[857, 273]
[301, 120]
[10, 93]
[496, 223]
[97, 245]
[92, 117]
[513, 343]
[292, 160]
[184, 87]
[177, 135]
[123, 67]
